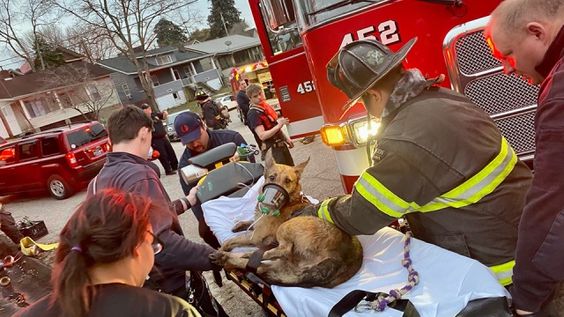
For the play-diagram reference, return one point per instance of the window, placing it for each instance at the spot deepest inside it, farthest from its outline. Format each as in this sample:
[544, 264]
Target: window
[93, 92]
[164, 59]
[175, 95]
[84, 136]
[28, 150]
[35, 107]
[315, 12]
[280, 24]
[125, 89]
[187, 71]
[50, 146]
[7, 155]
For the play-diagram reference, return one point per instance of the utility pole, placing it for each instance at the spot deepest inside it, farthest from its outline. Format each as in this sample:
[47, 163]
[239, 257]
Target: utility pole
[224, 26]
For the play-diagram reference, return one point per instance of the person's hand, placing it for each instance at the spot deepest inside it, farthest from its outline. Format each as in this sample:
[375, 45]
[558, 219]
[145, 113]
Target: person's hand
[519, 312]
[290, 143]
[192, 199]
[235, 158]
[282, 121]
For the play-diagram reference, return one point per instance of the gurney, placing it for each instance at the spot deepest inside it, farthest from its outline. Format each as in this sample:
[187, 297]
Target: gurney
[448, 281]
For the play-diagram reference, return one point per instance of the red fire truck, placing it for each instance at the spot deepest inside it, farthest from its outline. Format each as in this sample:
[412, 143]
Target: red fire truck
[299, 37]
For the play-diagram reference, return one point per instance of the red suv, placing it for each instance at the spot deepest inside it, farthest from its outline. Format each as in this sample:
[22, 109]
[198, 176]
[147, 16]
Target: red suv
[61, 160]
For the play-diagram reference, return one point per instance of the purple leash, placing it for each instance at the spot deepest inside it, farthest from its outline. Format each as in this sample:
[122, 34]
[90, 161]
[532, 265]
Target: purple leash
[382, 302]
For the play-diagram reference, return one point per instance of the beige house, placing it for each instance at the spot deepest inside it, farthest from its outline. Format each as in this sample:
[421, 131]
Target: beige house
[75, 92]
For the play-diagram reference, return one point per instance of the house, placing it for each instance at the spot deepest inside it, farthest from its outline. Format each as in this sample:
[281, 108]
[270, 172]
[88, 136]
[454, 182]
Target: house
[51, 98]
[231, 51]
[172, 70]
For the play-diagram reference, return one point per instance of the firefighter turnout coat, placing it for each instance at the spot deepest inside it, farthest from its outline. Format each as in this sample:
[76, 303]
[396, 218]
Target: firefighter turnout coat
[441, 163]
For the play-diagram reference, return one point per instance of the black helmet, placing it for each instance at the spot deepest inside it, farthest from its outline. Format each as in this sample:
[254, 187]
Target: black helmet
[360, 64]
[201, 95]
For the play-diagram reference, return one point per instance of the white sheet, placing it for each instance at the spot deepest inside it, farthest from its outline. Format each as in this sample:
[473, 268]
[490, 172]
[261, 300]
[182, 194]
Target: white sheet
[447, 280]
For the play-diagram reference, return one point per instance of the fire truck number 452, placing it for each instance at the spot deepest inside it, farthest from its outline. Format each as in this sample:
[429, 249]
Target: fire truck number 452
[388, 31]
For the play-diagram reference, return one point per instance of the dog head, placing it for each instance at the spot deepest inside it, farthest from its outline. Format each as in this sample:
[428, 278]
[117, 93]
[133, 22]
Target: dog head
[287, 177]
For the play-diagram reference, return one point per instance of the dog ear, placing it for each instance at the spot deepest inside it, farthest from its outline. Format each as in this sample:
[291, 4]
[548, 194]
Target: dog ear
[268, 160]
[300, 167]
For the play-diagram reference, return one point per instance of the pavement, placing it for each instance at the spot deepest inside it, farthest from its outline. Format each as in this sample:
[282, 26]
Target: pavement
[320, 180]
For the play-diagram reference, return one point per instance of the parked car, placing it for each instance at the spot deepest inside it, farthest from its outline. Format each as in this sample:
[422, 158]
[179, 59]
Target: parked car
[61, 161]
[170, 126]
[227, 100]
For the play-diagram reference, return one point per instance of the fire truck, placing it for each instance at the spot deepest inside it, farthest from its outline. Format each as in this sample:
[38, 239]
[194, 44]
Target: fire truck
[299, 38]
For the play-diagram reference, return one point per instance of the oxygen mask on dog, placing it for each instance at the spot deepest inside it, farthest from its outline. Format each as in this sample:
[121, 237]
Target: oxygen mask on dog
[272, 199]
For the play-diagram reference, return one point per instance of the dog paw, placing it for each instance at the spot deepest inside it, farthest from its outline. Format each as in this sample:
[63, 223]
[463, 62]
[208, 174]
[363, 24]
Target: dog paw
[241, 226]
[219, 258]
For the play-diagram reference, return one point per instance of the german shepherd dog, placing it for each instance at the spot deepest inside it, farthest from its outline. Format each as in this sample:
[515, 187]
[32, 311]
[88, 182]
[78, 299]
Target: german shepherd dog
[303, 251]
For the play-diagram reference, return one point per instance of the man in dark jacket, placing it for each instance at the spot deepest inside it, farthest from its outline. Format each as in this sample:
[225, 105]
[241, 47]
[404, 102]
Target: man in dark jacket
[197, 139]
[528, 38]
[160, 141]
[243, 100]
[127, 169]
[211, 112]
[440, 162]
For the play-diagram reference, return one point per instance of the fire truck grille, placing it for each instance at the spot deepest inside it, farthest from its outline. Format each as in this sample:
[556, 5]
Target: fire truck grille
[519, 131]
[498, 93]
[473, 54]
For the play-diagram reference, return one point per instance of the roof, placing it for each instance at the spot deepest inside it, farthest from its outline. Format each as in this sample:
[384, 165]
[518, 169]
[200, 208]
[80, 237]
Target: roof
[219, 46]
[43, 80]
[122, 64]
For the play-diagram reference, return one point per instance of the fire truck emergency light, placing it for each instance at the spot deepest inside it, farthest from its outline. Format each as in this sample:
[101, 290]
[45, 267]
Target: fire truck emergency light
[333, 135]
[362, 131]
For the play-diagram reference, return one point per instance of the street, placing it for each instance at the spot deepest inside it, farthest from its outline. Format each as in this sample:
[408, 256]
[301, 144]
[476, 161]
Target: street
[320, 180]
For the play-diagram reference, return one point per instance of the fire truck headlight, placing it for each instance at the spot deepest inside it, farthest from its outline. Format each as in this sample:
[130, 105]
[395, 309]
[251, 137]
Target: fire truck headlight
[333, 135]
[362, 131]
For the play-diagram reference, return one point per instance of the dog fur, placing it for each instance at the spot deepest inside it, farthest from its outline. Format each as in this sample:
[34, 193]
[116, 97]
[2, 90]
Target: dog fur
[303, 251]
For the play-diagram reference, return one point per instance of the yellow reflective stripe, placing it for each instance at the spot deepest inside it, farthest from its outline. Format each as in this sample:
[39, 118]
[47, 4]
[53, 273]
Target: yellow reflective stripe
[323, 211]
[479, 185]
[504, 272]
[382, 198]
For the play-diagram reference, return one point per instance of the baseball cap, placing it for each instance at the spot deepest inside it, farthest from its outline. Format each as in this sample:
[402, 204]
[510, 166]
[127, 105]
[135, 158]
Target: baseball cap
[187, 126]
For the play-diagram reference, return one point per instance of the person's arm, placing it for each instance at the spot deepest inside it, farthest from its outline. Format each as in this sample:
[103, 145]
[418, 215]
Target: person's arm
[178, 252]
[383, 193]
[267, 134]
[182, 163]
[209, 115]
[539, 258]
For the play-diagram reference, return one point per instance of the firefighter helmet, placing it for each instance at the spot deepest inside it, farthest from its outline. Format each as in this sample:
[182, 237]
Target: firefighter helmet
[360, 64]
[201, 95]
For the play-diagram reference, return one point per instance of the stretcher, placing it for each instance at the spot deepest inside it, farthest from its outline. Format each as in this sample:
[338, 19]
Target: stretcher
[448, 281]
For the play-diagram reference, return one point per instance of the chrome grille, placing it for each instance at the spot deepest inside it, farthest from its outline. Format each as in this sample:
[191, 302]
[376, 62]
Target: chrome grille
[473, 54]
[508, 99]
[519, 131]
[498, 93]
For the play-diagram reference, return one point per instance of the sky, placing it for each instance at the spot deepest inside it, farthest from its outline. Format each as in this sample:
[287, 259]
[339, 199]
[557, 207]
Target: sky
[202, 6]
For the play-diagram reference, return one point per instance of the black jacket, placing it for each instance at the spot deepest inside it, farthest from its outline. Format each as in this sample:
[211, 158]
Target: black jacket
[540, 248]
[430, 145]
[243, 102]
[131, 173]
[118, 300]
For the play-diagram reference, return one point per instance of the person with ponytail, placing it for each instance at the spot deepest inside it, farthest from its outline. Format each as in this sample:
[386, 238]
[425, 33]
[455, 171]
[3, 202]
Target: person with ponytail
[106, 250]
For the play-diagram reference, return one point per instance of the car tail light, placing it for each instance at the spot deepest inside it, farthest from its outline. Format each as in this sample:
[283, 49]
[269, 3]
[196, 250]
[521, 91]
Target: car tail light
[71, 159]
[107, 148]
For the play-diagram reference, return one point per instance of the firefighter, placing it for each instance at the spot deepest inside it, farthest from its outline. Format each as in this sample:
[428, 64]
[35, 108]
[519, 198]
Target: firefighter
[528, 38]
[439, 161]
[211, 112]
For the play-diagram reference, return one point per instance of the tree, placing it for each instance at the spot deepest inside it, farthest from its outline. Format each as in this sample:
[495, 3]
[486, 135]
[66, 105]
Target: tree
[199, 35]
[82, 92]
[239, 28]
[128, 25]
[222, 17]
[23, 15]
[169, 34]
[87, 41]
[46, 54]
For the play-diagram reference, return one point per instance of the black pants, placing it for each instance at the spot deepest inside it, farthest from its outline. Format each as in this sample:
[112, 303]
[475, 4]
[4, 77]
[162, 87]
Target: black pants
[167, 156]
[201, 297]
